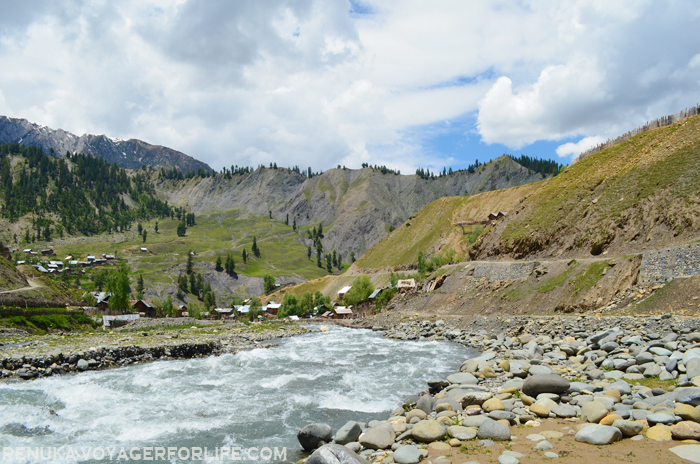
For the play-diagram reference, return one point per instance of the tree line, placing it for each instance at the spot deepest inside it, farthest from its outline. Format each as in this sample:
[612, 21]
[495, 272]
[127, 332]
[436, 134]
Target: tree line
[86, 192]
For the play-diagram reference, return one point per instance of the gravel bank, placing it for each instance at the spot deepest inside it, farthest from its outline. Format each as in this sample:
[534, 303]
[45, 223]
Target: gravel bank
[542, 388]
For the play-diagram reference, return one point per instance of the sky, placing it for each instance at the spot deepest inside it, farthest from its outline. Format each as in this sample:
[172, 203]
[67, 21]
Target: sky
[322, 83]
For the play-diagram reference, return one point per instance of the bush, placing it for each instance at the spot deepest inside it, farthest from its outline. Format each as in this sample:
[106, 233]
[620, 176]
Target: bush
[362, 288]
[385, 297]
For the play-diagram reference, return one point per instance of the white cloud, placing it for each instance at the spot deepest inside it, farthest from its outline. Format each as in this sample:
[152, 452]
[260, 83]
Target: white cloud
[304, 82]
[574, 149]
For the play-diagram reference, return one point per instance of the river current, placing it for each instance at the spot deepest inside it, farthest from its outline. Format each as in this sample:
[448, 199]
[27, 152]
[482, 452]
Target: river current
[254, 399]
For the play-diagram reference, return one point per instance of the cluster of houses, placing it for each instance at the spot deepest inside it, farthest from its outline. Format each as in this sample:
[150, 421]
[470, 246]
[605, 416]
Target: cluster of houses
[69, 264]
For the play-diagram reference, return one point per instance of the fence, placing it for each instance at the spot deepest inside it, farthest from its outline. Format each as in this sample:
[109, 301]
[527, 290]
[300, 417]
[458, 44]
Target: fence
[663, 121]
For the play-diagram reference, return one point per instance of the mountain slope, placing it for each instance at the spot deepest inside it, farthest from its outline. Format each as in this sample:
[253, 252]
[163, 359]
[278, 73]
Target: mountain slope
[356, 207]
[639, 195]
[126, 153]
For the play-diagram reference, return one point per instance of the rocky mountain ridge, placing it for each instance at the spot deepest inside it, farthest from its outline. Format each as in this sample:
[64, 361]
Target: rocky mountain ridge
[131, 154]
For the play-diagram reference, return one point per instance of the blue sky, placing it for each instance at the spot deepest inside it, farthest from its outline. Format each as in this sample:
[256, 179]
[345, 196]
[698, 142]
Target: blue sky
[321, 83]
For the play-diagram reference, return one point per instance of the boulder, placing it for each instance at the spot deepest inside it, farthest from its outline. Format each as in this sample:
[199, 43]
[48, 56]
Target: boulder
[408, 454]
[492, 430]
[378, 438]
[547, 383]
[692, 368]
[627, 427]
[348, 432]
[598, 434]
[659, 433]
[310, 436]
[419, 413]
[686, 430]
[593, 411]
[425, 404]
[564, 410]
[475, 398]
[494, 404]
[335, 454]
[461, 433]
[687, 412]
[428, 431]
[687, 452]
[462, 377]
[539, 410]
[83, 365]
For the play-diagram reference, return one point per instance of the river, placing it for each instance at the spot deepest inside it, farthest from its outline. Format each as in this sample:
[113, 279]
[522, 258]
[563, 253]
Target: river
[257, 398]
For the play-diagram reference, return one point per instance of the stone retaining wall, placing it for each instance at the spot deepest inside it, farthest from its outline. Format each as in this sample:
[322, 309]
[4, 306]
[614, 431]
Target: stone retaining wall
[660, 266]
[504, 271]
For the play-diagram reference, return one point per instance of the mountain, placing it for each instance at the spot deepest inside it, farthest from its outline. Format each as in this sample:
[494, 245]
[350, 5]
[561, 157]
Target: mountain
[356, 207]
[130, 154]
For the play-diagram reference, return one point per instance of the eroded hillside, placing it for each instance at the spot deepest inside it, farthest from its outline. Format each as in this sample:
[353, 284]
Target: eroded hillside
[356, 207]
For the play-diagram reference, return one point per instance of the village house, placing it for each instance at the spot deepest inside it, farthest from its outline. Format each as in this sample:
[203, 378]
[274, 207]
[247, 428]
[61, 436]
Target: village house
[405, 285]
[342, 312]
[181, 311]
[145, 308]
[375, 294]
[102, 302]
[272, 308]
[225, 312]
[342, 292]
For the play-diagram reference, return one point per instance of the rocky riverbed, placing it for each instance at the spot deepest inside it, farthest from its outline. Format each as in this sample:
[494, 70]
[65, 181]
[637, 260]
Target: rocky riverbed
[566, 388]
[27, 357]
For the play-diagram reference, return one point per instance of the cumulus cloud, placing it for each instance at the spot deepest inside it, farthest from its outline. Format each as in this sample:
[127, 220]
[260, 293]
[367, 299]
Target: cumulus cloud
[320, 83]
[574, 149]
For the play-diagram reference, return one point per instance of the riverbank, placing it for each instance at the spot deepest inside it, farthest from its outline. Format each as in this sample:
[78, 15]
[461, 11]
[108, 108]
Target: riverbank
[605, 389]
[27, 356]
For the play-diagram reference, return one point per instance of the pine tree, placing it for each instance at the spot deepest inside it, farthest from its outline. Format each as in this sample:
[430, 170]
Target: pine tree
[190, 263]
[139, 287]
[193, 284]
[294, 225]
[145, 232]
[218, 263]
[286, 221]
[156, 227]
[308, 252]
[244, 256]
[255, 249]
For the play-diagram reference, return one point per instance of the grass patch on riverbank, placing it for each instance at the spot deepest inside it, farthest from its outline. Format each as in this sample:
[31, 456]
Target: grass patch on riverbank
[653, 382]
[39, 325]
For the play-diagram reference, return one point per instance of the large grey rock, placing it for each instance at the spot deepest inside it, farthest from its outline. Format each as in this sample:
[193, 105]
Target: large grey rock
[348, 432]
[628, 428]
[653, 370]
[475, 398]
[438, 384]
[661, 418]
[378, 438]
[598, 434]
[688, 452]
[428, 431]
[462, 377]
[692, 368]
[425, 404]
[593, 411]
[492, 430]
[408, 454]
[474, 421]
[461, 433]
[563, 410]
[335, 454]
[310, 436]
[540, 370]
[550, 383]
[83, 365]
[689, 396]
